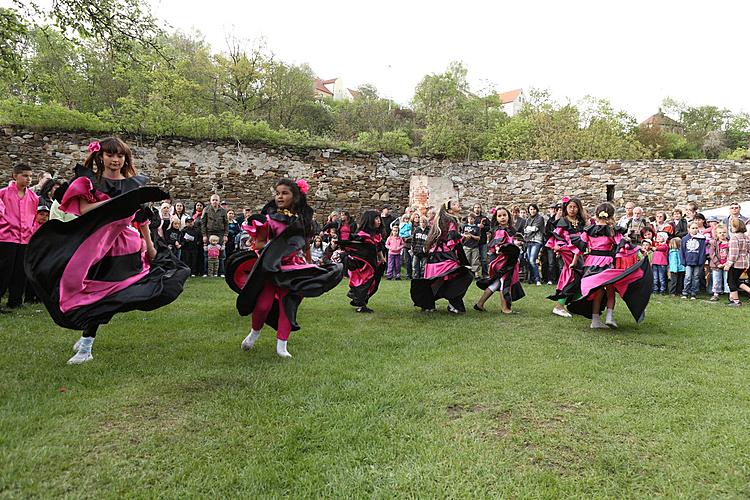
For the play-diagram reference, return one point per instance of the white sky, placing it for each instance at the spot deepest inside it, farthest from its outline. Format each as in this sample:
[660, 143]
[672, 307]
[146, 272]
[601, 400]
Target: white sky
[632, 52]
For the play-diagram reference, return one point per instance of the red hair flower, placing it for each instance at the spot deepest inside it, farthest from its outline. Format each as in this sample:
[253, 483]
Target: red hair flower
[303, 186]
[566, 199]
[94, 146]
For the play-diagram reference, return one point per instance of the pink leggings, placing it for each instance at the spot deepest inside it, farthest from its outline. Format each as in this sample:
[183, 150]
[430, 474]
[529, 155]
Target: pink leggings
[263, 305]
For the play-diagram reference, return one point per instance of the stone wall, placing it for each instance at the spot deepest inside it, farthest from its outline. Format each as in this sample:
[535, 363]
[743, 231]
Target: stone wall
[245, 174]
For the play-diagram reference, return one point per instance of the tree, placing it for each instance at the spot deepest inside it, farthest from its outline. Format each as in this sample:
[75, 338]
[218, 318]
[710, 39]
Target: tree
[13, 33]
[122, 25]
[456, 122]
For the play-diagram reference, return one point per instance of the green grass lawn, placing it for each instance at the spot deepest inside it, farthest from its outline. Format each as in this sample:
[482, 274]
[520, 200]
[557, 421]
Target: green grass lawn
[394, 403]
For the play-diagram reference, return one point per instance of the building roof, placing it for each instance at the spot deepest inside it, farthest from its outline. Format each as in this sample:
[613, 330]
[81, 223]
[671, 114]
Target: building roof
[661, 119]
[510, 96]
[320, 85]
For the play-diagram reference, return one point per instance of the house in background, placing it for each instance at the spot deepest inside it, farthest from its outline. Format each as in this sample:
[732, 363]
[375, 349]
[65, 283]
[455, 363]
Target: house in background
[333, 88]
[663, 122]
[512, 101]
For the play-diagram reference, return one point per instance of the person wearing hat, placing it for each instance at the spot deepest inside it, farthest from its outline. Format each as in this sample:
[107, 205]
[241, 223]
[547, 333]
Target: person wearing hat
[42, 216]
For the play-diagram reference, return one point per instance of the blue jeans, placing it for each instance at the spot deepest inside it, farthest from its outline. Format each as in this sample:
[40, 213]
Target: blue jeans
[483, 258]
[692, 278]
[532, 252]
[660, 278]
[719, 279]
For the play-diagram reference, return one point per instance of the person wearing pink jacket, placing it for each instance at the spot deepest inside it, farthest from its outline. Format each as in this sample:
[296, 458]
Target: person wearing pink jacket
[394, 244]
[18, 206]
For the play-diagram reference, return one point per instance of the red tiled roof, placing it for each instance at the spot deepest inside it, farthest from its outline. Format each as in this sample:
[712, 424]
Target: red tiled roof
[353, 92]
[320, 85]
[661, 119]
[510, 96]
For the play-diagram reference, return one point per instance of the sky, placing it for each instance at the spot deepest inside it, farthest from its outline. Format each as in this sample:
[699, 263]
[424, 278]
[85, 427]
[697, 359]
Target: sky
[633, 53]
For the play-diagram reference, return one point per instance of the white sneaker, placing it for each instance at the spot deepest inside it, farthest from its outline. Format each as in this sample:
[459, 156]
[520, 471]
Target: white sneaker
[77, 345]
[453, 310]
[538, 283]
[249, 341]
[562, 313]
[281, 349]
[611, 323]
[80, 357]
[598, 325]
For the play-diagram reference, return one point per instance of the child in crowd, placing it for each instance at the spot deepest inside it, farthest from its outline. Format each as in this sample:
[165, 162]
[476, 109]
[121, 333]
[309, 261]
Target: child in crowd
[659, 263]
[676, 267]
[172, 236]
[647, 233]
[233, 230]
[471, 235]
[405, 231]
[738, 261]
[718, 253]
[417, 249]
[42, 216]
[190, 243]
[394, 244]
[693, 256]
[18, 212]
[213, 253]
[317, 250]
[645, 252]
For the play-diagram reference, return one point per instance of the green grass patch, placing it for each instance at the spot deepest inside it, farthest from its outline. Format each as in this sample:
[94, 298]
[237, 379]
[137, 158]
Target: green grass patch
[394, 403]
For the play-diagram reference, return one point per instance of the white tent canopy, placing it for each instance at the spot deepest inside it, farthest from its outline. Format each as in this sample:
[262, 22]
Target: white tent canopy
[723, 212]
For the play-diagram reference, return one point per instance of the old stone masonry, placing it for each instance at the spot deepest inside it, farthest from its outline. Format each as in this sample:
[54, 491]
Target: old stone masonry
[245, 174]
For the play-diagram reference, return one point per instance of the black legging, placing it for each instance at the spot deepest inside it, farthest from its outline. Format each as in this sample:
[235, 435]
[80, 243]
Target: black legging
[90, 331]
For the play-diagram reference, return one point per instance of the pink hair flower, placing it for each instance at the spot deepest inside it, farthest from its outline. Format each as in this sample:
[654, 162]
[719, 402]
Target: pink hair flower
[566, 199]
[94, 146]
[303, 186]
[493, 210]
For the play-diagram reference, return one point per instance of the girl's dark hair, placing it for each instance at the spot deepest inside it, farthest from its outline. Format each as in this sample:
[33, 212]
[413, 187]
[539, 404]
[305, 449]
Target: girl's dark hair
[348, 217]
[299, 205]
[195, 205]
[175, 208]
[700, 216]
[367, 222]
[47, 187]
[111, 145]
[495, 224]
[581, 212]
[440, 225]
[534, 206]
[607, 208]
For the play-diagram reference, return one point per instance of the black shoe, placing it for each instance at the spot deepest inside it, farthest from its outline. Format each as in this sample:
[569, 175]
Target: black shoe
[398, 279]
[364, 309]
[480, 309]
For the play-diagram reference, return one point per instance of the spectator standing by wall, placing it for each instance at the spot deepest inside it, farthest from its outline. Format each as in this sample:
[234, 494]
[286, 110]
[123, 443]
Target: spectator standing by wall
[215, 223]
[471, 235]
[18, 209]
[533, 233]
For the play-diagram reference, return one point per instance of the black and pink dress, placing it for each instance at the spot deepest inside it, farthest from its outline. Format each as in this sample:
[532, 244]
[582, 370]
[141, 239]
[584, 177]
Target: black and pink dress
[601, 245]
[568, 284]
[447, 274]
[89, 268]
[281, 277]
[364, 268]
[504, 267]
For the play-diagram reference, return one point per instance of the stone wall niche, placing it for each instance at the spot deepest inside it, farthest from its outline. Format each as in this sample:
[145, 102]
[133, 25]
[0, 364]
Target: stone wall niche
[427, 191]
